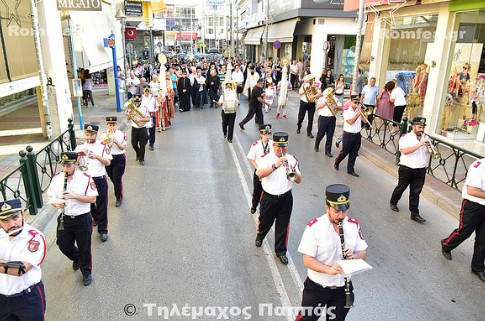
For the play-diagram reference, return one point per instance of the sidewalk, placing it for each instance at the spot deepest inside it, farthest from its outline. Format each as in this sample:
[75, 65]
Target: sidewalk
[437, 192]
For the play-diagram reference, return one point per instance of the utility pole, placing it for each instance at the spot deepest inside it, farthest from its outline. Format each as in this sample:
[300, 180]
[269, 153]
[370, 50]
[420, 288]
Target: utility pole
[215, 27]
[265, 45]
[232, 32]
[358, 46]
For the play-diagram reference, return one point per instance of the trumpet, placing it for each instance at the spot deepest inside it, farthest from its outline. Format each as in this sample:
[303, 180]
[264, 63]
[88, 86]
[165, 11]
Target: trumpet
[432, 149]
[109, 140]
[290, 173]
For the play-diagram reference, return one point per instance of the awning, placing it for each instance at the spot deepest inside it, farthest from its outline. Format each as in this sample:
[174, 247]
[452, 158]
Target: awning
[281, 31]
[93, 27]
[253, 37]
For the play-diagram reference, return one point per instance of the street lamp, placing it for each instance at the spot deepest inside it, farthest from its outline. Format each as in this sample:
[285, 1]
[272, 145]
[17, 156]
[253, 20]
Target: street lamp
[120, 15]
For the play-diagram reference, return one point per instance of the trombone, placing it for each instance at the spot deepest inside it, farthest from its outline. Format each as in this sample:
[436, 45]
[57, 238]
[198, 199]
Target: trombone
[366, 112]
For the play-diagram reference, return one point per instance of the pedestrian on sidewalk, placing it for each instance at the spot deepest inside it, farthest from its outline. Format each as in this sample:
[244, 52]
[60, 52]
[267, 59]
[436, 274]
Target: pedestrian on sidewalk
[22, 251]
[87, 88]
[327, 109]
[95, 155]
[326, 240]
[255, 105]
[412, 167]
[139, 134]
[351, 136]
[309, 93]
[73, 192]
[472, 219]
[115, 139]
[277, 171]
[259, 149]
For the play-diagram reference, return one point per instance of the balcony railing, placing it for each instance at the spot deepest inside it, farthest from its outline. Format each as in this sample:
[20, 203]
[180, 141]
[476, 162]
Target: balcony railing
[30, 179]
[450, 164]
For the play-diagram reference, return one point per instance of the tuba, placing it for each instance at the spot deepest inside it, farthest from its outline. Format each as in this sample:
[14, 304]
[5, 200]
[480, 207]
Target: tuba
[330, 96]
[310, 91]
[135, 115]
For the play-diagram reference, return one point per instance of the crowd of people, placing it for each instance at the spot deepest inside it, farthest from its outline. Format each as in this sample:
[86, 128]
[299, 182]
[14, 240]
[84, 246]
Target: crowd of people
[80, 190]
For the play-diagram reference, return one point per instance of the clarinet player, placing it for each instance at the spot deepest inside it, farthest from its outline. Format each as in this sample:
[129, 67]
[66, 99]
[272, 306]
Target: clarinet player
[322, 245]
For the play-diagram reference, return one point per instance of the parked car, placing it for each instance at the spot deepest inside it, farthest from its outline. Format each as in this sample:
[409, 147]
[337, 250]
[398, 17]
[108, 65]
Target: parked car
[213, 51]
[182, 55]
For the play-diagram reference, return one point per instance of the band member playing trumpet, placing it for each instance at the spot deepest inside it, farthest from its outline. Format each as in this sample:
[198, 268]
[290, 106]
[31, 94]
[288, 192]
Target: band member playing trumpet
[74, 240]
[321, 246]
[351, 136]
[277, 171]
[327, 108]
[139, 135]
[309, 94]
[98, 154]
[115, 139]
[412, 167]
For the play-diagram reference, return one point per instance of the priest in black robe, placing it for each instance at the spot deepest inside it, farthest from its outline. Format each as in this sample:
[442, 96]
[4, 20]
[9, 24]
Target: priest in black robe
[184, 91]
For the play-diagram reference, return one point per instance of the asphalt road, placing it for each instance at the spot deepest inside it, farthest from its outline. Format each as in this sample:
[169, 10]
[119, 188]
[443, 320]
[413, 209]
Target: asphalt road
[184, 237]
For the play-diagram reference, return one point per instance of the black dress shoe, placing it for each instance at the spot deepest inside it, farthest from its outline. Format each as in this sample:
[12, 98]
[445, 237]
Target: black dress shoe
[446, 254]
[335, 165]
[118, 203]
[87, 279]
[75, 265]
[353, 174]
[136, 159]
[142, 163]
[104, 237]
[229, 141]
[241, 126]
[310, 135]
[417, 218]
[317, 149]
[258, 242]
[481, 275]
[253, 210]
[298, 130]
[329, 154]
[337, 144]
[283, 259]
[394, 207]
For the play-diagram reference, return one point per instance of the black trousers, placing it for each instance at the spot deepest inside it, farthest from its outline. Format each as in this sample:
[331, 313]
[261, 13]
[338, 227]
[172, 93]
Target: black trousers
[228, 121]
[99, 210]
[293, 80]
[326, 126]
[276, 208]
[77, 231]
[351, 145]
[471, 220]
[304, 108]
[398, 112]
[258, 111]
[139, 137]
[257, 190]
[414, 178]
[315, 295]
[29, 306]
[151, 132]
[115, 172]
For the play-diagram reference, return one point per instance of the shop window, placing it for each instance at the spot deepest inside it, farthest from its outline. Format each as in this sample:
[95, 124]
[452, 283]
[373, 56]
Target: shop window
[463, 109]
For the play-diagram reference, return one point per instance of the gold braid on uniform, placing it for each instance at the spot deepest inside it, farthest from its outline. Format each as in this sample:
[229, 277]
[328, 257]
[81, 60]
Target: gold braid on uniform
[14, 264]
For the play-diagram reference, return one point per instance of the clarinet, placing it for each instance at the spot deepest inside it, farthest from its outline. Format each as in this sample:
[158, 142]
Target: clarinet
[61, 219]
[348, 298]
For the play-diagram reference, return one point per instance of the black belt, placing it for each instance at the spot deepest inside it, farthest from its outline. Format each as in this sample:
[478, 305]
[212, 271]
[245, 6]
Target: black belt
[98, 177]
[349, 133]
[74, 216]
[326, 116]
[276, 196]
[26, 291]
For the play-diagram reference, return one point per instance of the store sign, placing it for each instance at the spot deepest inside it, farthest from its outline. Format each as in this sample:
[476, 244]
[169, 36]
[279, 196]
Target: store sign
[187, 35]
[80, 5]
[130, 33]
[215, 2]
[133, 9]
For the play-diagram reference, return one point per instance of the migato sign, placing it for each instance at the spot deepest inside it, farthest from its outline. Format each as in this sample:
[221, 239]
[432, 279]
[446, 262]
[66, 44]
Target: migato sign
[79, 5]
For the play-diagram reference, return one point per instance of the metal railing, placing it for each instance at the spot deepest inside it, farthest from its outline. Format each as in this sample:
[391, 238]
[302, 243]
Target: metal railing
[451, 165]
[29, 180]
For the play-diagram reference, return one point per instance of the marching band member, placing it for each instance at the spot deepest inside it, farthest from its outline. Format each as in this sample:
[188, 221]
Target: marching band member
[22, 251]
[150, 103]
[307, 106]
[326, 120]
[277, 171]
[97, 156]
[259, 149]
[115, 139]
[327, 239]
[72, 193]
[229, 103]
[139, 135]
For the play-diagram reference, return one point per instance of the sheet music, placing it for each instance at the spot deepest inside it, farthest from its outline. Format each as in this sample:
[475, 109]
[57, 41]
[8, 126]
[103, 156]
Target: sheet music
[354, 266]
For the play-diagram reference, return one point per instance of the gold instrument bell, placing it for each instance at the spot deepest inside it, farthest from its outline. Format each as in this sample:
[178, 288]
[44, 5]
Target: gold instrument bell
[310, 91]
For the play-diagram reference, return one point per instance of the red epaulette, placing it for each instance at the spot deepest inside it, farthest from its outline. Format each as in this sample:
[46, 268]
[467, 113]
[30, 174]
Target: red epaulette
[353, 220]
[312, 222]
[33, 232]
[255, 143]
[103, 143]
[87, 175]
